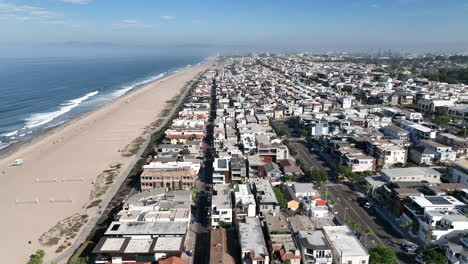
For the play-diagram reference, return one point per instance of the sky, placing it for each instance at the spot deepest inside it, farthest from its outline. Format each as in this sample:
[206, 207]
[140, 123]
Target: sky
[84, 26]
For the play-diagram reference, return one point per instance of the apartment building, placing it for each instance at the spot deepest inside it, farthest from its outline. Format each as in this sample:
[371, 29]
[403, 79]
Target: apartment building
[221, 206]
[170, 175]
[412, 174]
[266, 198]
[314, 247]
[345, 247]
[252, 243]
[245, 205]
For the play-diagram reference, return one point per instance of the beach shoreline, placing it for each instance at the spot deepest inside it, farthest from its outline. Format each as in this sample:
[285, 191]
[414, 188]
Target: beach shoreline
[71, 167]
[15, 146]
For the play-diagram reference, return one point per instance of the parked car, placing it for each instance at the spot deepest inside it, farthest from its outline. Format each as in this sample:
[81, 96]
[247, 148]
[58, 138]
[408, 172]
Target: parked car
[408, 247]
[419, 258]
[367, 205]
[334, 211]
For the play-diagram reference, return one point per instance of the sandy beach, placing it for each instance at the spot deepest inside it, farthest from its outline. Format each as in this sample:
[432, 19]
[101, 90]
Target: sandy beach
[69, 170]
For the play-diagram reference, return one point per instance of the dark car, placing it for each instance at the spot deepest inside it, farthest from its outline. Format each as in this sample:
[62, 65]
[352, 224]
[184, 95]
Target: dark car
[408, 247]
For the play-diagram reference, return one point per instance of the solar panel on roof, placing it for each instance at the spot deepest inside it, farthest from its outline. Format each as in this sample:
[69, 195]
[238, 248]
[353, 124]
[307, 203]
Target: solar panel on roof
[222, 164]
[438, 200]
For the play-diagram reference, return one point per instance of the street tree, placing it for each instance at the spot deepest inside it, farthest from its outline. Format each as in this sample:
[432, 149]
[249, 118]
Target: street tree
[431, 256]
[382, 255]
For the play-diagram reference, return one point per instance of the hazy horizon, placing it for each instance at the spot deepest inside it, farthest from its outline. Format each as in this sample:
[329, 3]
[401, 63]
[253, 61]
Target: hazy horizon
[104, 27]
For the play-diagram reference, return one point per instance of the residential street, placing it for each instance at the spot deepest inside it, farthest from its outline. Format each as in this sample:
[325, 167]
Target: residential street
[347, 203]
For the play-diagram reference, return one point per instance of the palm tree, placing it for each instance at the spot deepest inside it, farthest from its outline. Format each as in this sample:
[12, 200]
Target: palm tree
[355, 226]
[376, 196]
[367, 232]
[427, 237]
[368, 188]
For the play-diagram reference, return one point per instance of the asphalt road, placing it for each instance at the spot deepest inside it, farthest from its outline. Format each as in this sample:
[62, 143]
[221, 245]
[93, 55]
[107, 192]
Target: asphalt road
[203, 201]
[347, 203]
[347, 206]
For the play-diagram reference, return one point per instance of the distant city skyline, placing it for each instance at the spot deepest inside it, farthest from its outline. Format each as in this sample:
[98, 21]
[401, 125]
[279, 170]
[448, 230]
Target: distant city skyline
[313, 25]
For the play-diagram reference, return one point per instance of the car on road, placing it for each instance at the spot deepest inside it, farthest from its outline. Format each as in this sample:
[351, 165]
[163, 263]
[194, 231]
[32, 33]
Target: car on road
[419, 258]
[408, 247]
[367, 205]
[363, 202]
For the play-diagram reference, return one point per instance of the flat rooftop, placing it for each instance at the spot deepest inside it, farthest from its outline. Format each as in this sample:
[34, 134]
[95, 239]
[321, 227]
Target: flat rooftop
[276, 223]
[436, 201]
[412, 171]
[147, 228]
[344, 241]
[265, 192]
[222, 199]
[251, 237]
[314, 239]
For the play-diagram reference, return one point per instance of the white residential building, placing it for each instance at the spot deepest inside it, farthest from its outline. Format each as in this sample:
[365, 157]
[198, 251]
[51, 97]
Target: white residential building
[439, 214]
[314, 247]
[245, 201]
[459, 172]
[444, 153]
[266, 197]
[412, 174]
[252, 242]
[346, 248]
[221, 207]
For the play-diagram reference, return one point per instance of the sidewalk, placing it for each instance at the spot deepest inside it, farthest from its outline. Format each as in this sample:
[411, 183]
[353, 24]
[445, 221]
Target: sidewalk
[391, 219]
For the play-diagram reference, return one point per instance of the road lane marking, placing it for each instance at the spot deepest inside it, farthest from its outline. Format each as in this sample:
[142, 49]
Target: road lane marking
[349, 205]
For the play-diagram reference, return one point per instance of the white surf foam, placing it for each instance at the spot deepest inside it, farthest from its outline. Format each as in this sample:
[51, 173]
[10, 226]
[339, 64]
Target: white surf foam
[43, 118]
[9, 134]
[127, 88]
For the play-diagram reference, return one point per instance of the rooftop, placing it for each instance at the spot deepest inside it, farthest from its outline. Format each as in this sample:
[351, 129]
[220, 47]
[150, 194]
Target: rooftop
[314, 239]
[436, 201]
[222, 199]
[251, 237]
[412, 171]
[265, 192]
[276, 222]
[344, 241]
[147, 228]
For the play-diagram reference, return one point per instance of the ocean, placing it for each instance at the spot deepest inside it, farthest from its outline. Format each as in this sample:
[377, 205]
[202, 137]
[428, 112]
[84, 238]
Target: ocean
[37, 94]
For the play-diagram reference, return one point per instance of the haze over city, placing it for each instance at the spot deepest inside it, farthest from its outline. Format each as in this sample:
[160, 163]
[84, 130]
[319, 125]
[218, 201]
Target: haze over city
[234, 132]
[46, 27]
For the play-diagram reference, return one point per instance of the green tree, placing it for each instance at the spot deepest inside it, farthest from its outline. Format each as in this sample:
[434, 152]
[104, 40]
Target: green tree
[368, 188]
[304, 133]
[280, 197]
[367, 232]
[281, 132]
[288, 177]
[38, 257]
[405, 225]
[376, 196]
[431, 256]
[427, 236]
[355, 226]
[318, 177]
[223, 224]
[382, 255]
[441, 120]
[184, 152]
[83, 260]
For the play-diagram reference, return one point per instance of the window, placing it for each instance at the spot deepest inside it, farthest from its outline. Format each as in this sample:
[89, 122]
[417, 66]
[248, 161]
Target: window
[350, 262]
[363, 261]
